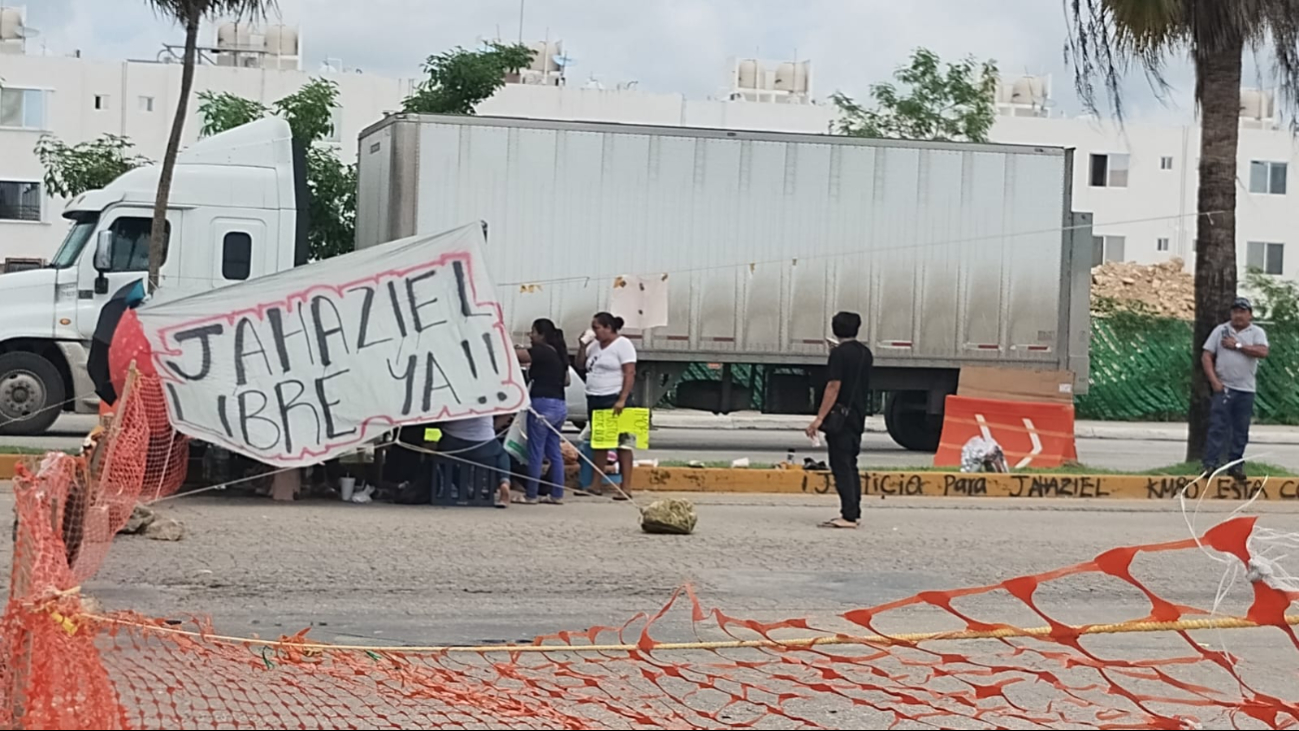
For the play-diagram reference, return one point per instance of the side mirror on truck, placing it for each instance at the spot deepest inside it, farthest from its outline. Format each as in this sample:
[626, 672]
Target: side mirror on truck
[103, 260]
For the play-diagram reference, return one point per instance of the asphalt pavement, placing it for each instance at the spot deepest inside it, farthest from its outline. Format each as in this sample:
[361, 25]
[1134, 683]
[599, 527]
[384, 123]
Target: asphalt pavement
[386, 575]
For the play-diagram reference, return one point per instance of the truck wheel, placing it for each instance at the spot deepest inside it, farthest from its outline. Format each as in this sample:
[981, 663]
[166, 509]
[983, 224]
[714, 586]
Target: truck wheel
[31, 393]
[909, 425]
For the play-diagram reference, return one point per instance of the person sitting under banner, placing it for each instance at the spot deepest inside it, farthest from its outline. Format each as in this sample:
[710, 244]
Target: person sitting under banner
[474, 440]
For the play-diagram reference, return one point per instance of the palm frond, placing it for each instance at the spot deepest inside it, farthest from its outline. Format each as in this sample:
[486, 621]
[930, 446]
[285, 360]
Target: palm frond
[1107, 38]
[184, 10]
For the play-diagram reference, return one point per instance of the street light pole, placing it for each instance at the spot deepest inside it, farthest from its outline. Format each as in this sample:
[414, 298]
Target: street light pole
[522, 3]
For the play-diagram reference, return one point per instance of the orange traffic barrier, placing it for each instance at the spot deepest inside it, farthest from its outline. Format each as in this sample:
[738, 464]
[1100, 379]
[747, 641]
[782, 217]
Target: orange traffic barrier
[1032, 434]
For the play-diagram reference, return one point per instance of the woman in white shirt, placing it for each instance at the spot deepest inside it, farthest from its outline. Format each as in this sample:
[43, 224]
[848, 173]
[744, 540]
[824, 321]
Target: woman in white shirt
[610, 373]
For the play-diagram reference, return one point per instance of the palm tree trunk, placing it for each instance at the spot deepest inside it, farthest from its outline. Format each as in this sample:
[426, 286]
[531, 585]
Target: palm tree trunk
[158, 231]
[1218, 74]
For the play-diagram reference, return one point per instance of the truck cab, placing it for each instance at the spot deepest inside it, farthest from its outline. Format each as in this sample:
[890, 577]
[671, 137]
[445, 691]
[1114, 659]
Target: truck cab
[237, 210]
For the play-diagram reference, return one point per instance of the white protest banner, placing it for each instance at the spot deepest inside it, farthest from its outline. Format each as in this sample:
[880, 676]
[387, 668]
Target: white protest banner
[297, 367]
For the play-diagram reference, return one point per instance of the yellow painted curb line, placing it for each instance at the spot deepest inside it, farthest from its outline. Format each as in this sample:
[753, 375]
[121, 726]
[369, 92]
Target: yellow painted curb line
[955, 484]
[7, 464]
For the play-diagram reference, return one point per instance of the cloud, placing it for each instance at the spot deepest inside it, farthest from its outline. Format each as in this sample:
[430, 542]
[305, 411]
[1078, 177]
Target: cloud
[665, 45]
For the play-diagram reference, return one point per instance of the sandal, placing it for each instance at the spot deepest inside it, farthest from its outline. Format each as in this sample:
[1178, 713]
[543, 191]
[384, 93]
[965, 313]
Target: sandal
[548, 500]
[503, 497]
[837, 523]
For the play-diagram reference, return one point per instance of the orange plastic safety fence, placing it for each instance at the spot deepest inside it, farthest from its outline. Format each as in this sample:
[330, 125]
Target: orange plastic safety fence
[67, 667]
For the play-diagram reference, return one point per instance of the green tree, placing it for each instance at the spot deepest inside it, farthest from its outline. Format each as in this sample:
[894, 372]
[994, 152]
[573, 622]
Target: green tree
[189, 14]
[458, 80]
[1108, 37]
[310, 114]
[220, 111]
[952, 102]
[71, 170]
[1276, 300]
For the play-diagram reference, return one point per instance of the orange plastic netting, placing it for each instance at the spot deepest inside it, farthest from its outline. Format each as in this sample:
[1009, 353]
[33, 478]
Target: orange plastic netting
[1158, 666]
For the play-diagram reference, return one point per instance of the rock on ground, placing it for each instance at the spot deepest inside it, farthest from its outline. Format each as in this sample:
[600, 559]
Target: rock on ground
[165, 529]
[673, 515]
[141, 518]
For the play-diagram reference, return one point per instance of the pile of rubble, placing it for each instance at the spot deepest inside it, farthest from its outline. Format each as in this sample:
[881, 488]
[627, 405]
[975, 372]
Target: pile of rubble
[1164, 289]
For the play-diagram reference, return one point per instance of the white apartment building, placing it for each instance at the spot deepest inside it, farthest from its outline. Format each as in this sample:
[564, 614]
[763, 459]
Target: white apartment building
[1139, 180]
[78, 99]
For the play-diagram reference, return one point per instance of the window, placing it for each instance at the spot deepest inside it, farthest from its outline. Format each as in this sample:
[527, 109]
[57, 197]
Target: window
[1266, 257]
[1165, 163]
[20, 201]
[1161, 244]
[1109, 171]
[131, 244]
[146, 104]
[1107, 248]
[22, 108]
[101, 102]
[236, 255]
[1267, 177]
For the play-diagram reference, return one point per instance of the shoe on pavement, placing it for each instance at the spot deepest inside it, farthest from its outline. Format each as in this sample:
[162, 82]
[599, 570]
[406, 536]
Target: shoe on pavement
[838, 523]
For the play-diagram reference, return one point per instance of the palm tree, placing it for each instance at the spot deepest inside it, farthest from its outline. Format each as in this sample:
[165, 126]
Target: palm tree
[1107, 37]
[189, 14]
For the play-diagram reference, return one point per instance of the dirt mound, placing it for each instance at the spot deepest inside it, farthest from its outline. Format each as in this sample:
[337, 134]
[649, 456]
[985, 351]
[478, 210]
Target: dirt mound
[1164, 289]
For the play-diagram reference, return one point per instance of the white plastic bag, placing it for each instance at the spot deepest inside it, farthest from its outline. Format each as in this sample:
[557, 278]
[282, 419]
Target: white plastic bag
[516, 439]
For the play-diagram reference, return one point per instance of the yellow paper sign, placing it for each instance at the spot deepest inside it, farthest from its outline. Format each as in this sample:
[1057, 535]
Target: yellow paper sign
[432, 434]
[606, 428]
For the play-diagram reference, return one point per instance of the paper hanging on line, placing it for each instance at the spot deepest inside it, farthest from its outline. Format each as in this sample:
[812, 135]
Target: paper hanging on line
[642, 302]
[607, 428]
[301, 366]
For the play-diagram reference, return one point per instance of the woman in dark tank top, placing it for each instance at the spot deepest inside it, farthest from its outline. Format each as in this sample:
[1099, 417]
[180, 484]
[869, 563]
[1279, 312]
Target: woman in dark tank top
[547, 361]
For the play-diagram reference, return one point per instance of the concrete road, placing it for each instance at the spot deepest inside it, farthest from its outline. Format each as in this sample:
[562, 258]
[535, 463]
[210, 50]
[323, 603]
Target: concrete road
[411, 575]
[383, 570]
[768, 446]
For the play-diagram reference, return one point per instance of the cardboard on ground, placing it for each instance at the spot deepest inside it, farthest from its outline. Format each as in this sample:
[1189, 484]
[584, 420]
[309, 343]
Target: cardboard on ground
[605, 427]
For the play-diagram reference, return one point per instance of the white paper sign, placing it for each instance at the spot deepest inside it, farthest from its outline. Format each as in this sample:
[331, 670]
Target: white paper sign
[642, 302]
[298, 367]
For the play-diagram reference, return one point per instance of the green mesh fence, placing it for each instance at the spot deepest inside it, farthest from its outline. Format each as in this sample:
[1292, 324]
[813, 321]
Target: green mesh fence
[1140, 371]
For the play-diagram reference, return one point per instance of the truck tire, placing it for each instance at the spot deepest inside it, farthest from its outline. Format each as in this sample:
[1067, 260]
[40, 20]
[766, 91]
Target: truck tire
[31, 393]
[909, 425]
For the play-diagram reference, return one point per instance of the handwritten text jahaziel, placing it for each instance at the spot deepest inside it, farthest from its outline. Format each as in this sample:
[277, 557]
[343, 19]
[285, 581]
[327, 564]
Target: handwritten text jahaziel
[292, 379]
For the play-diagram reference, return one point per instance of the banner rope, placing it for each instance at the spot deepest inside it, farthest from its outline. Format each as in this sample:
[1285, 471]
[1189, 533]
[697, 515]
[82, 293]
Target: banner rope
[1181, 625]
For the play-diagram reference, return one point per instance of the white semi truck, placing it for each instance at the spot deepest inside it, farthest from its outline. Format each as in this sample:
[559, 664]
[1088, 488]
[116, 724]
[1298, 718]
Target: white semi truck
[955, 254]
[238, 210]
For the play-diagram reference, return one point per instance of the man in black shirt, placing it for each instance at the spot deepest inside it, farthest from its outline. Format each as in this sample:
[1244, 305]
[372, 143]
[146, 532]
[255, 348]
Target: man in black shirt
[843, 414]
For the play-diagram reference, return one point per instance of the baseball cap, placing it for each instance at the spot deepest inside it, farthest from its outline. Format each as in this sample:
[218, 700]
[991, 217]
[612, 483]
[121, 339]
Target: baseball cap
[1242, 303]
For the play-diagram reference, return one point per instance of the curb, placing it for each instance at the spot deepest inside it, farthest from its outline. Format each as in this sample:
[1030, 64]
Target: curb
[934, 484]
[956, 484]
[7, 464]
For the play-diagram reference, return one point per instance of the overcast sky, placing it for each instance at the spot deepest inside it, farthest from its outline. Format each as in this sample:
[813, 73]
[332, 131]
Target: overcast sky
[665, 45]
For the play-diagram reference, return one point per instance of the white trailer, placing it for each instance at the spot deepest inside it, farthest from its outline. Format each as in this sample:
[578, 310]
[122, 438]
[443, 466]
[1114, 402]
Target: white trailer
[954, 254]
